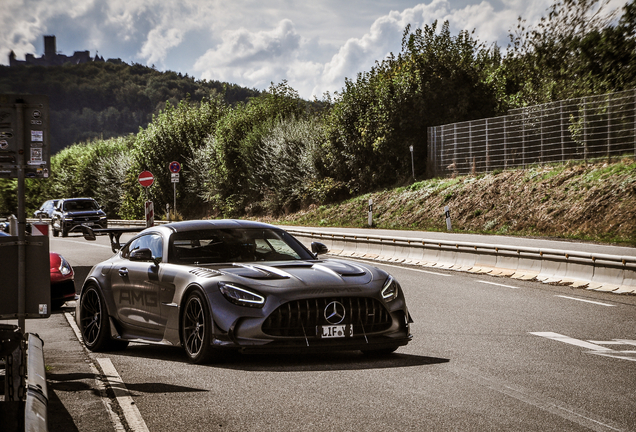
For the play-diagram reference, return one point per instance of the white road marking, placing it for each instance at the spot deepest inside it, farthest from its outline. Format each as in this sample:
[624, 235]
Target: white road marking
[616, 342]
[571, 341]
[114, 418]
[125, 400]
[595, 346]
[86, 242]
[586, 301]
[498, 284]
[73, 325]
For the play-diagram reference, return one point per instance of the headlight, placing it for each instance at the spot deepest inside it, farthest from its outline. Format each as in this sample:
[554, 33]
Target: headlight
[65, 267]
[390, 289]
[241, 296]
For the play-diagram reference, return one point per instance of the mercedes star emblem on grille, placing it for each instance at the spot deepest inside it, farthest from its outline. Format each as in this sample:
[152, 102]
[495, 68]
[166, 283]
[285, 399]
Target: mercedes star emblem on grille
[335, 312]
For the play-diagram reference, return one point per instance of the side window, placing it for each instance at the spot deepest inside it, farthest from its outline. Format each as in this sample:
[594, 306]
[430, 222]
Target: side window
[150, 241]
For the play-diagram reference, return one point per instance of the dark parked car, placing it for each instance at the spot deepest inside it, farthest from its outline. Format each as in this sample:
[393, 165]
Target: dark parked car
[210, 286]
[71, 213]
[46, 210]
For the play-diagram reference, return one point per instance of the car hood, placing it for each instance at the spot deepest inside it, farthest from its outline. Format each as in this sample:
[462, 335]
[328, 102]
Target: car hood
[288, 274]
[85, 213]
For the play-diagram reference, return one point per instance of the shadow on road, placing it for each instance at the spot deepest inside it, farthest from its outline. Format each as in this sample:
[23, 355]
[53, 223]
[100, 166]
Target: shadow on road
[338, 361]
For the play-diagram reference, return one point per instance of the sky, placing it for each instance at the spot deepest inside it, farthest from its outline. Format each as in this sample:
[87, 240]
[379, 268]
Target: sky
[313, 44]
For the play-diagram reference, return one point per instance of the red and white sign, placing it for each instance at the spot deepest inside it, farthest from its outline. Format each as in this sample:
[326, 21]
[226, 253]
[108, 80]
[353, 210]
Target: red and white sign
[39, 229]
[150, 214]
[175, 167]
[146, 179]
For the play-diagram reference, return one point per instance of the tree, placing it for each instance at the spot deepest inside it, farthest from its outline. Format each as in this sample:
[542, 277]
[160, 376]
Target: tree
[437, 78]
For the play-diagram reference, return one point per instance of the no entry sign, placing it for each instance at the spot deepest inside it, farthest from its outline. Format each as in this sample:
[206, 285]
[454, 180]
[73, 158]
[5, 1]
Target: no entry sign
[146, 179]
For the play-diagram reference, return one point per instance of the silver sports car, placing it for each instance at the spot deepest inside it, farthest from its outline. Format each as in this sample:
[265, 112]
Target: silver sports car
[215, 285]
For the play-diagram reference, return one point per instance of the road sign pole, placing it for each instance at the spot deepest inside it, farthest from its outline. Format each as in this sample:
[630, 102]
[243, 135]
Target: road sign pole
[174, 206]
[21, 219]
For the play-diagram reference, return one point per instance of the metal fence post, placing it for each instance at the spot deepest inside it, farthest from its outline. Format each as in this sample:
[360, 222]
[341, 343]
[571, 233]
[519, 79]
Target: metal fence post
[609, 127]
[471, 158]
[505, 140]
[487, 149]
[541, 134]
[562, 132]
[523, 138]
[455, 146]
[585, 129]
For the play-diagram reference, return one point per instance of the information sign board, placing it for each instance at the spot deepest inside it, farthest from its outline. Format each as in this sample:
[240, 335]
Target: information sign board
[24, 136]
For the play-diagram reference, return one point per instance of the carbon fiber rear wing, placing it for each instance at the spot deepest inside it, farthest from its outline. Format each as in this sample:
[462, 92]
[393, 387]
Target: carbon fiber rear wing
[113, 233]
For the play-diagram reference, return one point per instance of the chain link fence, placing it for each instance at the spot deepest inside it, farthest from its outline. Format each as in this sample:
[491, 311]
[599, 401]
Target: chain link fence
[575, 129]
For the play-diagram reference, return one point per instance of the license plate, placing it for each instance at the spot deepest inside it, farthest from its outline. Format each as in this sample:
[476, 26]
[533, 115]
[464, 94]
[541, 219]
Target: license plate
[334, 331]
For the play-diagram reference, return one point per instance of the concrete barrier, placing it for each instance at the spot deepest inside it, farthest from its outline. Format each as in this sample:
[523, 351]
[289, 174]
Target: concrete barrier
[581, 270]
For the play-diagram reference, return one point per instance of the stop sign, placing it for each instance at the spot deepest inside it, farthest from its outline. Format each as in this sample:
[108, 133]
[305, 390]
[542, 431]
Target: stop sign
[146, 179]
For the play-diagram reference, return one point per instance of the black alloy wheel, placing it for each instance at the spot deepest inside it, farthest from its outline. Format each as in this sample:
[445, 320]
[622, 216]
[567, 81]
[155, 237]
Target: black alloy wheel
[196, 329]
[94, 324]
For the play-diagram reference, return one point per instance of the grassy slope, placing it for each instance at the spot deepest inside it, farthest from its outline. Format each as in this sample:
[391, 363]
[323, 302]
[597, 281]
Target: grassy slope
[594, 202]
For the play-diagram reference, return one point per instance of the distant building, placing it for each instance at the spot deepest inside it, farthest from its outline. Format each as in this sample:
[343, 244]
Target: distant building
[52, 58]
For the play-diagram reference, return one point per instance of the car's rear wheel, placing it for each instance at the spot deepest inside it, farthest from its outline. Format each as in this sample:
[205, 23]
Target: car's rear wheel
[196, 329]
[94, 324]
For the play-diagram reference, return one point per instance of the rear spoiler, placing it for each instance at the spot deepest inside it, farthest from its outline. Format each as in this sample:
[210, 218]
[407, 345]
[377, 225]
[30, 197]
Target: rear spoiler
[113, 233]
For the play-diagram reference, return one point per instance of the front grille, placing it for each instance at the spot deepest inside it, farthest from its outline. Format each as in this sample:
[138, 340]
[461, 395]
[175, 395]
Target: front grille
[300, 318]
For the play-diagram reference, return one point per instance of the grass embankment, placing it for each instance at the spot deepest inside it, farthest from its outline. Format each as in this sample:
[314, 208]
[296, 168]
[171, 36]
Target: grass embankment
[594, 202]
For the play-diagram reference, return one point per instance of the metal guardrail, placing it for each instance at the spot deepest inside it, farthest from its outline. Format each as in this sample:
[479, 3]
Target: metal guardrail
[26, 398]
[37, 397]
[600, 272]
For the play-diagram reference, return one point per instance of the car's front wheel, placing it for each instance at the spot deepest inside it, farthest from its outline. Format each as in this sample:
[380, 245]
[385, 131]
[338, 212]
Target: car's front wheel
[94, 324]
[196, 329]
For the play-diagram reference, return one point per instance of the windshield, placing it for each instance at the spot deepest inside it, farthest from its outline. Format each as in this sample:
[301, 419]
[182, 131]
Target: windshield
[83, 205]
[234, 245]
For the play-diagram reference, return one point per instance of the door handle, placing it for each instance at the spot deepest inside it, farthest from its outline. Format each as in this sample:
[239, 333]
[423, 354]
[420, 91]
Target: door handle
[123, 272]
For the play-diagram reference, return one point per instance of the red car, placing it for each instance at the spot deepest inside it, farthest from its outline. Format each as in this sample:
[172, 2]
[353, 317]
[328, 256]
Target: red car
[62, 280]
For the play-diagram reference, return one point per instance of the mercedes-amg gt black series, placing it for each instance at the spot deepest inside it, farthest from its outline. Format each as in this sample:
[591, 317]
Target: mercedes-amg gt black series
[215, 285]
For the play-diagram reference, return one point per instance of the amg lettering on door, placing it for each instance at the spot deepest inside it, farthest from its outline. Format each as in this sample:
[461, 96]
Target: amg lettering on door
[138, 297]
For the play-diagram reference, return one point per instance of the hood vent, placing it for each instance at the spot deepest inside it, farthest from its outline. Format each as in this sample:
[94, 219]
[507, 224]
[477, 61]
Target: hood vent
[205, 273]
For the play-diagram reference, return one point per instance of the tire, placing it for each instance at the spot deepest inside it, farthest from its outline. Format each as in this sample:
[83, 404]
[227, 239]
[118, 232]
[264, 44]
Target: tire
[196, 329]
[64, 232]
[379, 352]
[55, 232]
[94, 323]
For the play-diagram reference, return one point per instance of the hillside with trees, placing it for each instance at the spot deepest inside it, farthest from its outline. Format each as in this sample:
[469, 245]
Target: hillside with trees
[275, 153]
[109, 99]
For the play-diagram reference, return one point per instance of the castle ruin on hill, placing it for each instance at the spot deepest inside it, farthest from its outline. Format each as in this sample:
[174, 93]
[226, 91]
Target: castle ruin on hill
[52, 58]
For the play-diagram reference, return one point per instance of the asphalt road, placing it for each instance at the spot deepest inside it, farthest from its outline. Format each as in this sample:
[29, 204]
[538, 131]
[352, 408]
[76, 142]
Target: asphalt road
[488, 354]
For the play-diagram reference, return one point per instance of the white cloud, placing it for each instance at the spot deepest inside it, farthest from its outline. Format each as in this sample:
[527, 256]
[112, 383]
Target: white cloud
[253, 58]
[250, 42]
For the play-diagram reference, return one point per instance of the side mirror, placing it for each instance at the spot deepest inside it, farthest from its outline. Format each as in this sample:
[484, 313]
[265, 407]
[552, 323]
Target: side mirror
[318, 248]
[143, 254]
